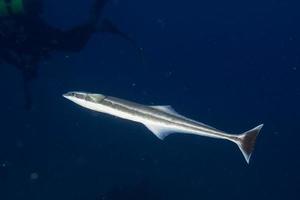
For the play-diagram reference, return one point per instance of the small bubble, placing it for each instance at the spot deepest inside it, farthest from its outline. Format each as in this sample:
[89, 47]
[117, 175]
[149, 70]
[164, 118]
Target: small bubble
[19, 144]
[169, 74]
[162, 23]
[4, 164]
[34, 176]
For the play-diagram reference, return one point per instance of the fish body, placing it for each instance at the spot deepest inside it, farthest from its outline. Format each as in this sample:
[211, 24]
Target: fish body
[161, 120]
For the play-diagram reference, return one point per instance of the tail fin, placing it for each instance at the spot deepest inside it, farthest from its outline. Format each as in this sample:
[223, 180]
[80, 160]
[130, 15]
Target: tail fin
[246, 141]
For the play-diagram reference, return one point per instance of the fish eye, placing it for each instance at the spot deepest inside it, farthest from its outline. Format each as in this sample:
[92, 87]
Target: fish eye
[79, 96]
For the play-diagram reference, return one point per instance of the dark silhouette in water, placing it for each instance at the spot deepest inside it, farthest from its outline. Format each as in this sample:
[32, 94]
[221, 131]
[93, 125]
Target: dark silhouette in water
[26, 38]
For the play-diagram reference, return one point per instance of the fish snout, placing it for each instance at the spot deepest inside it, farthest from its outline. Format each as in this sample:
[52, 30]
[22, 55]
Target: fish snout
[68, 95]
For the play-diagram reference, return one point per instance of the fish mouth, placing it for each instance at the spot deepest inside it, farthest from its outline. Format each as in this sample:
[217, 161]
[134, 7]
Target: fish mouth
[68, 95]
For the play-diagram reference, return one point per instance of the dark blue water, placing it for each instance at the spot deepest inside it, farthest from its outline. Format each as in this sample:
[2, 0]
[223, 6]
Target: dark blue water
[230, 64]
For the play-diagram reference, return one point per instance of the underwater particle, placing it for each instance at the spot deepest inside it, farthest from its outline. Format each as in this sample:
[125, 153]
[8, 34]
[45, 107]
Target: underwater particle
[19, 144]
[169, 74]
[4, 164]
[161, 22]
[34, 176]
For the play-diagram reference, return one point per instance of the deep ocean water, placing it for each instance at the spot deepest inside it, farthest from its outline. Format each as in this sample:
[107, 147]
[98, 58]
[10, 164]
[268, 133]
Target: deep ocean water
[230, 64]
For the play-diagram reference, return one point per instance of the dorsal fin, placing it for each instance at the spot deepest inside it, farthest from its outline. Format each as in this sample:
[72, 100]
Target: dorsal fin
[170, 110]
[166, 108]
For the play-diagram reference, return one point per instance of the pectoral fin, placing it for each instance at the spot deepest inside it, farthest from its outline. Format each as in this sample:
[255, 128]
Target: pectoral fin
[160, 132]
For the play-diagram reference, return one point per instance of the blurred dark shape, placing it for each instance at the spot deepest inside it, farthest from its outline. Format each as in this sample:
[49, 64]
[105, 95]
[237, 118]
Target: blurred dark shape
[141, 191]
[109, 27]
[26, 39]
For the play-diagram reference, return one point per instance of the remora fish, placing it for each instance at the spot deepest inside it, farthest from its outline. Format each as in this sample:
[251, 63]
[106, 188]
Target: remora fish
[161, 120]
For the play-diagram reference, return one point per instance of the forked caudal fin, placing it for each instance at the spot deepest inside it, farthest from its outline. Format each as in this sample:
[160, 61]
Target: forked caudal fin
[246, 141]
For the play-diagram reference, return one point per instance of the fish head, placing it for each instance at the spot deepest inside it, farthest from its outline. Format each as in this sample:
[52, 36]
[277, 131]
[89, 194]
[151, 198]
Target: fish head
[87, 100]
